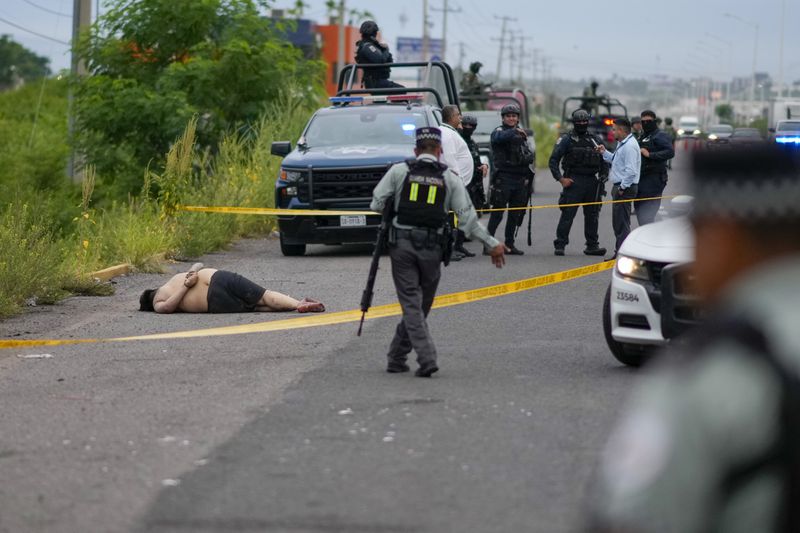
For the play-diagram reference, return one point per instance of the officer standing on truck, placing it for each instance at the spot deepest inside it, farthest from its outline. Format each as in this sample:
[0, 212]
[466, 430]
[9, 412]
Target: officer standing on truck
[475, 187]
[710, 440]
[512, 174]
[656, 148]
[369, 50]
[424, 191]
[583, 180]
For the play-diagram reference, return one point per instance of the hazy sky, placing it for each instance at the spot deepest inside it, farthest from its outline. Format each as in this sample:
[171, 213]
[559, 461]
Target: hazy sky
[581, 38]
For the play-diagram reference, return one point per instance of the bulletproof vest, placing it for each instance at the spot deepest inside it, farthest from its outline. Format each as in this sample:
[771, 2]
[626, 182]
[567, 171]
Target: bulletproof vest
[581, 157]
[363, 55]
[512, 158]
[650, 166]
[474, 151]
[423, 195]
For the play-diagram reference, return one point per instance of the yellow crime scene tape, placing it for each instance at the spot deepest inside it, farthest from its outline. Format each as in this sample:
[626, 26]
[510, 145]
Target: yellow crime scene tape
[323, 212]
[329, 319]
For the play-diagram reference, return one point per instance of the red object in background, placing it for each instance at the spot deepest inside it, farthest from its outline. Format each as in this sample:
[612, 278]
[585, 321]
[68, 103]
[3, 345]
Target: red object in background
[330, 51]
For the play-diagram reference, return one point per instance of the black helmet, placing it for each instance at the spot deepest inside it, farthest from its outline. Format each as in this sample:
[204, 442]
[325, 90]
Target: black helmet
[668, 121]
[580, 115]
[475, 67]
[469, 120]
[510, 109]
[369, 29]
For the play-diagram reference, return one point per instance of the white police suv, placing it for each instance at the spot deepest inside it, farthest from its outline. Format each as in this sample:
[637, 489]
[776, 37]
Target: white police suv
[650, 299]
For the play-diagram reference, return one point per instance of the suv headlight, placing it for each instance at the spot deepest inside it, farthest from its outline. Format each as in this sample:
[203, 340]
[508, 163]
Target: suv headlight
[681, 131]
[630, 267]
[291, 176]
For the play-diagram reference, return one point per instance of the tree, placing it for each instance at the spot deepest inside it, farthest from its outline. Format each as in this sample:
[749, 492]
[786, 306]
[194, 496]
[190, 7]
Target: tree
[19, 63]
[725, 113]
[154, 64]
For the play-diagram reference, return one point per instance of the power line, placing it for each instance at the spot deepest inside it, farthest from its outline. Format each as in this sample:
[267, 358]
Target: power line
[36, 33]
[48, 10]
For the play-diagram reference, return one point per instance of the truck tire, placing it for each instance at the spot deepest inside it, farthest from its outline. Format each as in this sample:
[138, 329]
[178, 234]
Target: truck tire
[292, 250]
[627, 354]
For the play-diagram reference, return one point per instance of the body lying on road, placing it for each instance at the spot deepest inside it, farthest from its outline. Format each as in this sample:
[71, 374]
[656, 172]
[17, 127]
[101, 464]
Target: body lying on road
[208, 290]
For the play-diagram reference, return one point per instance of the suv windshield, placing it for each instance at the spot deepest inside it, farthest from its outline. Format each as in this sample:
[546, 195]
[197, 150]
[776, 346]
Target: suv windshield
[789, 126]
[376, 125]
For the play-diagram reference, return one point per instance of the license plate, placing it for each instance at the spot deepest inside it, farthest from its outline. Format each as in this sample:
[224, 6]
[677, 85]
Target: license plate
[352, 220]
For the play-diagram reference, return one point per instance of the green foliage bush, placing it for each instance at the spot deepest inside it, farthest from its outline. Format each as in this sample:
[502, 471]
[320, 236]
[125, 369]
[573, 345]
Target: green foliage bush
[156, 63]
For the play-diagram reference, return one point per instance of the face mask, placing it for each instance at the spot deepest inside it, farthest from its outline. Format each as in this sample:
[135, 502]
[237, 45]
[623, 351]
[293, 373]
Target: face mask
[467, 131]
[581, 128]
[649, 126]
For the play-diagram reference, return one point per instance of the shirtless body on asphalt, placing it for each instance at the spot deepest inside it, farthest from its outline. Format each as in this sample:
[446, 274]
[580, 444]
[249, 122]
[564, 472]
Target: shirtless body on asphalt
[208, 290]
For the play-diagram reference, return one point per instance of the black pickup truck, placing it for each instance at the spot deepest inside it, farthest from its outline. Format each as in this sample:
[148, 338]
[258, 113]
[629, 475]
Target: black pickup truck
[603, 111]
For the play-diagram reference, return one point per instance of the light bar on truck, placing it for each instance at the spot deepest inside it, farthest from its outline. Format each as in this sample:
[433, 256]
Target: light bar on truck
[787, 140]
[375, 98]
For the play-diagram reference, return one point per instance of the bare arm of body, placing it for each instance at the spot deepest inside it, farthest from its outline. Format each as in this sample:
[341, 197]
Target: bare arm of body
[169, 296]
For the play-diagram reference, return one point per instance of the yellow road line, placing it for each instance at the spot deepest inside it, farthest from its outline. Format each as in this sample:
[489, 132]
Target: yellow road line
[328, 319]
[323, 212]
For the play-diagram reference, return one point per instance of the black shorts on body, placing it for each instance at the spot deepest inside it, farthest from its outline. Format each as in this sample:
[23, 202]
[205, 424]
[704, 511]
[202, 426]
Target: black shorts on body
[229, 292]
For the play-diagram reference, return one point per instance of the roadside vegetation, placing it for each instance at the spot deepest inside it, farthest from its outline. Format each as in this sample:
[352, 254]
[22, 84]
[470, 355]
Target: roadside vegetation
[159, 124]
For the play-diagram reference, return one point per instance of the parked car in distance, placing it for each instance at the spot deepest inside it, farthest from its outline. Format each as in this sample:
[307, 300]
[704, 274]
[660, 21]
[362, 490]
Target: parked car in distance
[787, 132]
[719, 135]
[746, 137]
[689, 126]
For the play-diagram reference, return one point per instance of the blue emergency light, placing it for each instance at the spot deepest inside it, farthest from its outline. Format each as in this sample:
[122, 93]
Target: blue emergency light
[788, 140]
[345, 99]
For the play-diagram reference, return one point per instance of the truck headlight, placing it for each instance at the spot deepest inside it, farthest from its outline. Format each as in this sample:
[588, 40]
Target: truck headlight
[630, 267]
[712, 137]
[697, 132]
[681, 131]
[291, 176]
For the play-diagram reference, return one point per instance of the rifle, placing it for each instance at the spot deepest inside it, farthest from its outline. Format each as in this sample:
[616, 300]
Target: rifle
[380, 247]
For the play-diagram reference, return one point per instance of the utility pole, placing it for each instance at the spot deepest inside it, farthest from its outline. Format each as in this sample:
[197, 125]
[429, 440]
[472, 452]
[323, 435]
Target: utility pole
[426, 40]
[445, 10]
[522, 55]
[461, 55]
[780, 54]
[340, 57]
[502, 42]
[512, 56]
[81, 19]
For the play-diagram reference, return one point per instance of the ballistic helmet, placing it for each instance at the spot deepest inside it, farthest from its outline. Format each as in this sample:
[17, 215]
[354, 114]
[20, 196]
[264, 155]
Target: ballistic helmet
[475, 67]
[469, 120]
[369, 29]
[580, 115]
[510, 109]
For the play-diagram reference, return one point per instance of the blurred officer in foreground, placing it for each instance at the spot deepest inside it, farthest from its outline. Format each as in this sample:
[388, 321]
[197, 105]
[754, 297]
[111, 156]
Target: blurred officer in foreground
[656, 148]
[369, 50]
[512, 158]
[475, 188]
[583, 181]
[710, 441]
[424, 191]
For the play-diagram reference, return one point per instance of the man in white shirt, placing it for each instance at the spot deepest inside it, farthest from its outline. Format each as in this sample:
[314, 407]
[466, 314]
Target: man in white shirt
[456, 155]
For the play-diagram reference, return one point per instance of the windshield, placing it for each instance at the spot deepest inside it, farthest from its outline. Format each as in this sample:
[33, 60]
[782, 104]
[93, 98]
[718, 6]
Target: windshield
[370, 126]
[746, 133]
[689, 125]
[789, 126]
[487, 121]
[721, 129]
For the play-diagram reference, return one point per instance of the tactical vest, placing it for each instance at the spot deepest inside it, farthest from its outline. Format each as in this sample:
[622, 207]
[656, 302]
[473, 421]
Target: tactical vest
[650, 166]
[423, 195]
[474, 151]
[512, 158]
[581, 157]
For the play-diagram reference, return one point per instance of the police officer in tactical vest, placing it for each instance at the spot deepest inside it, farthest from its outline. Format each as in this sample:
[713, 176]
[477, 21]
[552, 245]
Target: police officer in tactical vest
[475, 188]
[657, 149]
[711, 438]
[512, 174]
[423, 192]
[369, 50]
[583, 180]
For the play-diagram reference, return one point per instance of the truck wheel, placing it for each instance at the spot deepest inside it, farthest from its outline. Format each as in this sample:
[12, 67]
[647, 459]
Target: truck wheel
[627, 354]
[292, 250]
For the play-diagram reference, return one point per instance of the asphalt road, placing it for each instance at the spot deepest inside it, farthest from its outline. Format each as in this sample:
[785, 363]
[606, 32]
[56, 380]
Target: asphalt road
[303, 431]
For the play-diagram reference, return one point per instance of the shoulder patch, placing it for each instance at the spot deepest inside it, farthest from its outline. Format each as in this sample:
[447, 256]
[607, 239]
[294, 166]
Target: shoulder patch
[372, 48]
[559, 140]
[499, 128]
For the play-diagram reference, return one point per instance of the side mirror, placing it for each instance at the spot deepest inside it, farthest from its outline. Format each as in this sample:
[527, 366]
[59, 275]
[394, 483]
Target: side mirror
[281, 148]
[772, 130]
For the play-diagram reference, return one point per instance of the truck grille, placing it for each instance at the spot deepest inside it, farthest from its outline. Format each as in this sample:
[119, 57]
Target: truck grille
[346, 187]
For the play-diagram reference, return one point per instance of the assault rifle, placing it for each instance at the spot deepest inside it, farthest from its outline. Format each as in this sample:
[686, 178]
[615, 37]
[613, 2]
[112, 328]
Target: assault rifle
[380, 247]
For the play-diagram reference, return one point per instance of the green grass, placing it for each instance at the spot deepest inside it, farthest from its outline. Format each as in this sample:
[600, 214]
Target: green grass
[54, 234]
[546, 134]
